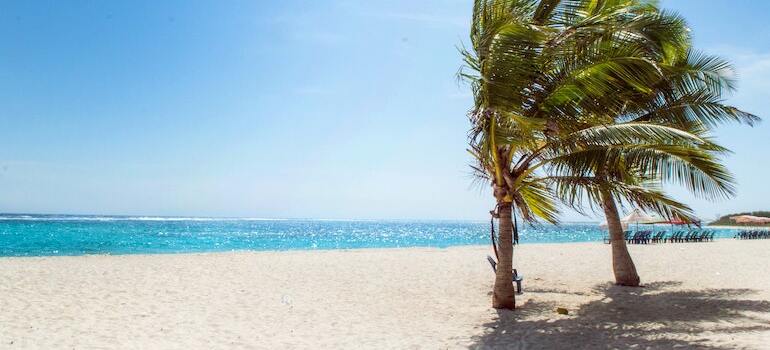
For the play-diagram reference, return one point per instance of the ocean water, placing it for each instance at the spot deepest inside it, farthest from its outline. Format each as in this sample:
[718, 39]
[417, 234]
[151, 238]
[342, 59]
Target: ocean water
[45, 235]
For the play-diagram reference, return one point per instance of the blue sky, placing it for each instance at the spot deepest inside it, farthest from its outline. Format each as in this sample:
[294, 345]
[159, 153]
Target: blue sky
[322, 109]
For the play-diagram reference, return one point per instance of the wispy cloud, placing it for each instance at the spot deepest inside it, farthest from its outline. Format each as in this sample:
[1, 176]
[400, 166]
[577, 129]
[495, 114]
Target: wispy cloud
[754, 67]
[753, 72]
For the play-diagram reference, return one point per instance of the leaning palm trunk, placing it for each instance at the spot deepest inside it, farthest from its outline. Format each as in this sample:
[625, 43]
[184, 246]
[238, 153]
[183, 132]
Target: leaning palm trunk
[622, 265]
[504, 296]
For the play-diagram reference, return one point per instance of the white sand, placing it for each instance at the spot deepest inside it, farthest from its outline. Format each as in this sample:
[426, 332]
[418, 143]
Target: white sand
[698, 295]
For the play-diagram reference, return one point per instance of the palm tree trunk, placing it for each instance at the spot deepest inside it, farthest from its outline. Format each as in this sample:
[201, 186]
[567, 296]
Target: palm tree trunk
[504, 296]
[622, 264]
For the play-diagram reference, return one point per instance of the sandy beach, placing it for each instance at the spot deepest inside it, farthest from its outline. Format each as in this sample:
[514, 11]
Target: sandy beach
[697, 295]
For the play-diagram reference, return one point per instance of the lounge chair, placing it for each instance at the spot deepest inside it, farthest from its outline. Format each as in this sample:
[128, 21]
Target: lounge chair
[635, 238]
[753, 234]
[642, 237]
[515, 274]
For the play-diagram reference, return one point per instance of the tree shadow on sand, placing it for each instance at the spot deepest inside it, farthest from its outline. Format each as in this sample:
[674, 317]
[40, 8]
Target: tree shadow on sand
[638, 318]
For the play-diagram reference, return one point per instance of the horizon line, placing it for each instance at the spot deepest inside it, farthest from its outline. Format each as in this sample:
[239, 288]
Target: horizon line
[252, 218]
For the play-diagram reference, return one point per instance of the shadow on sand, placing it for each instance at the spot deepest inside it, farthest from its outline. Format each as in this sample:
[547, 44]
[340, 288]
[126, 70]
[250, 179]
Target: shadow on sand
[632, 318]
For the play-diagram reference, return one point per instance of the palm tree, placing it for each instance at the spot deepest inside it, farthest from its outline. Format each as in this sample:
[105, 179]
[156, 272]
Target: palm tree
[546, 76]
[690, 98]
[633, 173]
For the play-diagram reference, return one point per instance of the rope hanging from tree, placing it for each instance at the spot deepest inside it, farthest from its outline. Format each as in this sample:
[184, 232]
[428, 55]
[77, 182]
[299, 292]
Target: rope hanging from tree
[494, 214]
[515, 227]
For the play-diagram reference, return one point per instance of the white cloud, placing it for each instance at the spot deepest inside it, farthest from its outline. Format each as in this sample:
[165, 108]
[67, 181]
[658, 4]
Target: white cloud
[754, 71]
[753, 76]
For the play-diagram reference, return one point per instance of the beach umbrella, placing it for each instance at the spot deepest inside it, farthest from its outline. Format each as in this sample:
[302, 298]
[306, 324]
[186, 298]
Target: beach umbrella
[676, 221]
[750, 219]
[637, 216]
[679, 222]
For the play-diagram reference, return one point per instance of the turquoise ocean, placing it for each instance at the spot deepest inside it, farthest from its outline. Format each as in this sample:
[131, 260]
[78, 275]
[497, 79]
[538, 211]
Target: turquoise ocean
[47, 235]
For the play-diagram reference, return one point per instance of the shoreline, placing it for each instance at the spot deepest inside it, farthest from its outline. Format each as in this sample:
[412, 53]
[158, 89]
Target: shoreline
[267, 251]
[388, 298]
[372, 249]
